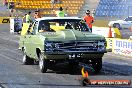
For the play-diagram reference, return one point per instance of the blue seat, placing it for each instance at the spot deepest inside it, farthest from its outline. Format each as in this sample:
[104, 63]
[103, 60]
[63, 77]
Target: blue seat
[114, 8]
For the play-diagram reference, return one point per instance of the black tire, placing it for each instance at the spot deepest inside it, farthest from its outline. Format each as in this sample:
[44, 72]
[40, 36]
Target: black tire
[42, 63]
[27, 60]
[117, 25]
[73, 67]
[97, 65]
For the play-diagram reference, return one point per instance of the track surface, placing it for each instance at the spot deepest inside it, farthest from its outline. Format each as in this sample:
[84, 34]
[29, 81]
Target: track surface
[15, 75]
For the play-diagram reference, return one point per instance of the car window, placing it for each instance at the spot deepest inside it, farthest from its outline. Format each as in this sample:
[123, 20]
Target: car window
[45, 26]
[128, 19]
[61, 24]
[34, 27]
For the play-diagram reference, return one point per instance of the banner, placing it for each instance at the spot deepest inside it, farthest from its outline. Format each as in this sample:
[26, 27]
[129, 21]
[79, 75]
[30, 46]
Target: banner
[122, 47]
[4, 20]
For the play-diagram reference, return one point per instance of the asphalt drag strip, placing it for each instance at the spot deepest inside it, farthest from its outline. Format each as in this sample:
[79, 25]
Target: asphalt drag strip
[13, 74]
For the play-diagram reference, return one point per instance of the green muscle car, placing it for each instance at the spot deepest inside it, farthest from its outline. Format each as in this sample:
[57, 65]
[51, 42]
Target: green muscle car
[60, 39]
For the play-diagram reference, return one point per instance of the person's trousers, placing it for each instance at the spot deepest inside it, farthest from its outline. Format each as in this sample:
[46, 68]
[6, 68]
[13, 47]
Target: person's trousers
[90, 29]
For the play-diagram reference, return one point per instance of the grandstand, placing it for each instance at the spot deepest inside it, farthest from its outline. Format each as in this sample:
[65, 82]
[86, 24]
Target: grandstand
[72, 7]
[114, 8]
[104, 8]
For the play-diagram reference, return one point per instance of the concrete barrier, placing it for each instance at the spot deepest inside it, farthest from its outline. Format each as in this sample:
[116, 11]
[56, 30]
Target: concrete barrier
[104, 31]
[119, 46]
[130, 38]
[15, 25]
[109, 44]
[122, 47]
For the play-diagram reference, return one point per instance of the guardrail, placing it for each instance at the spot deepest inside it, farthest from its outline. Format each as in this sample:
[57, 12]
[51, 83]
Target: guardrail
[109, 44]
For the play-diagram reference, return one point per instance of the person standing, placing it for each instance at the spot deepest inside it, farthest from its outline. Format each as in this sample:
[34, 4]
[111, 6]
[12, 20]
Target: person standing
[58, 1]
[5, 3]
[60, 13]
[37, 14]
[53, 3]
[24, 18]
[28, 18]
[93, 13]
[89, 19]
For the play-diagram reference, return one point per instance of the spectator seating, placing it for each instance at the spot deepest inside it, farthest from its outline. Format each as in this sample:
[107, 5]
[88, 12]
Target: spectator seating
[113, 8]
[72, 6]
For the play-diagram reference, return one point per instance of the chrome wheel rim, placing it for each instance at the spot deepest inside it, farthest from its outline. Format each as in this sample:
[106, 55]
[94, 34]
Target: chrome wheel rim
[41, 62]
[24, 59]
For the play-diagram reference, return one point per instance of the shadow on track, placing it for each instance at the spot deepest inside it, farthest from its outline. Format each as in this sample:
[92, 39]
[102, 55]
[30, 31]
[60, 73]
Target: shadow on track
[108, 69]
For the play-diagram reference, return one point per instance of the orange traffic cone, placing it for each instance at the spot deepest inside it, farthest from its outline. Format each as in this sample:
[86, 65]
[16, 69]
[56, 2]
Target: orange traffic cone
[131, 28]
[110, 33]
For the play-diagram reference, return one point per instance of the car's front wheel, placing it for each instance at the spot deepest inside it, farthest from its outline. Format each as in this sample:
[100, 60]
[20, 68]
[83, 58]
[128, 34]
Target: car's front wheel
[73, 67]
[97, 65]
[42, 63]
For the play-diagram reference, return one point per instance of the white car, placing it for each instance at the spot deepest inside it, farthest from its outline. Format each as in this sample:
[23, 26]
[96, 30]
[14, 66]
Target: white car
[121, 24]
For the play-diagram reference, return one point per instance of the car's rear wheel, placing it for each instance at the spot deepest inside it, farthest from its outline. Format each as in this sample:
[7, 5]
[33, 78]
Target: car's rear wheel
[26, 59]
[42, 63]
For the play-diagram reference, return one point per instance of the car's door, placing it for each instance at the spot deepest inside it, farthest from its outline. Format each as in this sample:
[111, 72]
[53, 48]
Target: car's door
[26, 40]
[31, 38]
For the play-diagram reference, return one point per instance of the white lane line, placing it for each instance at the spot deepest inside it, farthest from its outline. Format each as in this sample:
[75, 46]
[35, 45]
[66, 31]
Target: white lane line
[16, 41]
[10, 38]
[6, 57]
[14, 51]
